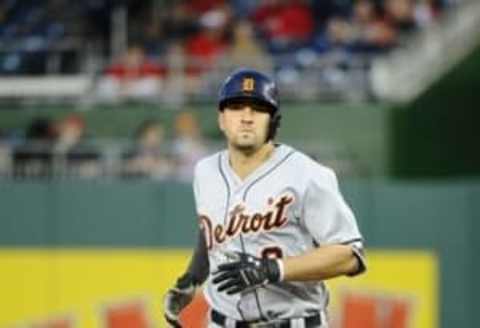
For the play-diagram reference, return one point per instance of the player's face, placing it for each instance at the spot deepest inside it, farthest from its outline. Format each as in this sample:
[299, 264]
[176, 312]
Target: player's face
[245, 125]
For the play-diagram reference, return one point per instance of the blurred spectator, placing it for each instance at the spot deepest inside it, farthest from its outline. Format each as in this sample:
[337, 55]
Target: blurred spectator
[33, 158]
[205, 48]
[245, 50]
[326, 9]
[73, 154]
[98, 20]
[176, 83]
[179, 85]
[426, 11]
[286, 25]
[131, 77]
[243, 8]
[198, 7]
[147, 158]
[3, 13]
[188, 145]
[179, 22]
[152, 38]
[34, 36]
[373, 32]
[364, 32]
[400, 14]
[64, 18]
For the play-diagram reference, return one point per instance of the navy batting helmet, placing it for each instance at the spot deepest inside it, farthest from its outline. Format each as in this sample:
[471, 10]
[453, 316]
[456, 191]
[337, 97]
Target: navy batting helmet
[249, 85]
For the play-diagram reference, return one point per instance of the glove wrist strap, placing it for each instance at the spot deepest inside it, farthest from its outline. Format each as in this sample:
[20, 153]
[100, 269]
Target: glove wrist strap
[274, 271]
[281, 270]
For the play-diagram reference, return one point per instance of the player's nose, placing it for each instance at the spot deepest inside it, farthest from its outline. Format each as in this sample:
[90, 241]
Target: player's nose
[247, 113]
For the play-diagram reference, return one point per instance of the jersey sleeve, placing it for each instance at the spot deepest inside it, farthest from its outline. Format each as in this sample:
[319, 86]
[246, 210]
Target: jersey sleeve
[328, 218]
[326, 214]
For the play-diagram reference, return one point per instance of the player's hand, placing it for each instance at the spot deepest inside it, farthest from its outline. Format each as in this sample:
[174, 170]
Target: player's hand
[176, 299]
[245, 273]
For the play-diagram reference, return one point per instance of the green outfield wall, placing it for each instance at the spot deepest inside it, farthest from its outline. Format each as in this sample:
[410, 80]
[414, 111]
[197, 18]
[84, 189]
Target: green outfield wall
[435, 216]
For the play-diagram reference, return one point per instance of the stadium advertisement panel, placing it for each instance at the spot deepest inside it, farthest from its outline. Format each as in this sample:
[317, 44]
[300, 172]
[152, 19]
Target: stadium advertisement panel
[118, 288]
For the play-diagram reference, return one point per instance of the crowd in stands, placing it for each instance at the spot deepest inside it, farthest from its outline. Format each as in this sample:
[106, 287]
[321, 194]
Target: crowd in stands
[206, 28]
[34, 32]
[178, 47]
[55, 148]
[279, 32]
[59, 149]
[289, 37]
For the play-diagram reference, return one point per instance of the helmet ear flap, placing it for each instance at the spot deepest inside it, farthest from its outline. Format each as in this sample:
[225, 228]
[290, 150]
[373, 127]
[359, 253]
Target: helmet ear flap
[273, 126]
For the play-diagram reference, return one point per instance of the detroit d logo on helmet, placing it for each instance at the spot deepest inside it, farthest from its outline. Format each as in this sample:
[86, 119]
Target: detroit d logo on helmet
[248, 84]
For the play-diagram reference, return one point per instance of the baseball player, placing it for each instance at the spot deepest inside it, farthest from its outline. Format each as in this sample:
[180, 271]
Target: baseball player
[273, 224]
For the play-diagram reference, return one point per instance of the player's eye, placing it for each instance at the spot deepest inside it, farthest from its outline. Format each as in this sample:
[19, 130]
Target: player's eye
[257, 107]
[261, 108]
[235, 106]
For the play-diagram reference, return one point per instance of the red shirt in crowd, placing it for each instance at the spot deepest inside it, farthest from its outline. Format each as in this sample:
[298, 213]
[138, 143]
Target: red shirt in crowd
[145, 69]
[203, 49]
[292, 21]
[202, 6]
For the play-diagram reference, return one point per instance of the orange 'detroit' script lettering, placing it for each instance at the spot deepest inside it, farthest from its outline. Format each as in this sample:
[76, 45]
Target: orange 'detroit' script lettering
[241, 222]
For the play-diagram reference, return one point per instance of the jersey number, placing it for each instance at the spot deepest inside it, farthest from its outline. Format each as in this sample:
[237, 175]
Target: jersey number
[272, 253]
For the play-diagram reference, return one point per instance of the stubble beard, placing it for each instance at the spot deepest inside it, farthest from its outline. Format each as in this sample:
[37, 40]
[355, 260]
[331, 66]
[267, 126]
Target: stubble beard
[249, 147]
[246, 148]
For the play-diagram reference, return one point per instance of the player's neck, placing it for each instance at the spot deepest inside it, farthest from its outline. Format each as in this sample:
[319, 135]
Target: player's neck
[244, 163]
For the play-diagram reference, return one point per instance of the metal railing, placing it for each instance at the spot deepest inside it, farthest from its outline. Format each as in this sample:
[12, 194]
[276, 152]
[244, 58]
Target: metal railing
[330, 77]
[122, 159]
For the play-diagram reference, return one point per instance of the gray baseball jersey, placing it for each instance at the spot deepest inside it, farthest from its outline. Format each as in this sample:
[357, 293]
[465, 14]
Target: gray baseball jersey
[287, 206]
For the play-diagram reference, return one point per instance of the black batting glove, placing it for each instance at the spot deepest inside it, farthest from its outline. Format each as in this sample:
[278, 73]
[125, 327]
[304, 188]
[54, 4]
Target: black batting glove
[246, 273]
[176, 299]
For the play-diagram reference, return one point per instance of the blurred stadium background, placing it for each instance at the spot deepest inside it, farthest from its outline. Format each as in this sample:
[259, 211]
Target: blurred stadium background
[105, 105]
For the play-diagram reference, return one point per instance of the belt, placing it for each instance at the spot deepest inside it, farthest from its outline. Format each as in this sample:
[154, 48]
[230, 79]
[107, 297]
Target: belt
[313, 321]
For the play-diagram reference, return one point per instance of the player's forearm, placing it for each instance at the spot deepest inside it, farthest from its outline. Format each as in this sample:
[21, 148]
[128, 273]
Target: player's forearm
[199, 265]
[320, 264]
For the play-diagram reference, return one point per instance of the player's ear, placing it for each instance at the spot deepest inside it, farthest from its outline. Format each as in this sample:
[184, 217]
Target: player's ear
[220, 121]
